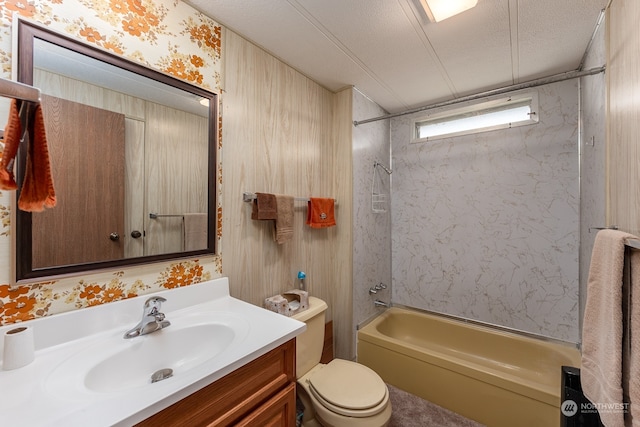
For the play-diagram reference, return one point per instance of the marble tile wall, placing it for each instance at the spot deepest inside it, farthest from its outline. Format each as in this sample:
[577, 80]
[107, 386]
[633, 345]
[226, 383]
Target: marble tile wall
[486, 226]
[371, 230]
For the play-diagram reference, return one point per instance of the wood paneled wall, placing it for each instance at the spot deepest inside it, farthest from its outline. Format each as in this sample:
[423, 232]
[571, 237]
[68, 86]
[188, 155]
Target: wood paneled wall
[283, 133]
[623, 113]
[170, 144]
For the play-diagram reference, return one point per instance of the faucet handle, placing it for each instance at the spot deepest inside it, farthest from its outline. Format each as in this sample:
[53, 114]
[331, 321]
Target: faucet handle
[381, 286]
[154, 302]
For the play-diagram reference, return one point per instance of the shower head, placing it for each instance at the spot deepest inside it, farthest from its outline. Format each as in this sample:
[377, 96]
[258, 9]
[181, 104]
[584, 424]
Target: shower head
[386, 169]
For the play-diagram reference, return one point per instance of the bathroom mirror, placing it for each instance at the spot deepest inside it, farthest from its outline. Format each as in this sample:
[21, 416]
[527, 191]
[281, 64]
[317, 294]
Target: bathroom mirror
[133, 159]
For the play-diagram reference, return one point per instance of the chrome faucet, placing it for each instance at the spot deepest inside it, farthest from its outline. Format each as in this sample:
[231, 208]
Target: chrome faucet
[376, 288]
[152, 319]
[379, 303]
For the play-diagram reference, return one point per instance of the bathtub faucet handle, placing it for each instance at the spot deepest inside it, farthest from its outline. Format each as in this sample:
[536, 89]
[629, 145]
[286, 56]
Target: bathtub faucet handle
[376, 288]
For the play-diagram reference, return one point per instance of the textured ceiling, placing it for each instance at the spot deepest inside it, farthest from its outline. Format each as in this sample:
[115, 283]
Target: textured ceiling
[392, 53]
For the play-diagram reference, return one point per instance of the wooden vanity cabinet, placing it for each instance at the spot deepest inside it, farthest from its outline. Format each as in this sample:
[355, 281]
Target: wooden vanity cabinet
[260, 393]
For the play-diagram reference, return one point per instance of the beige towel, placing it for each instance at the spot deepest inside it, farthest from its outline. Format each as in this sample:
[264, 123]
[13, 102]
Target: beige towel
[632, 383]
[283, 232]
[601, 371]
[195, 231]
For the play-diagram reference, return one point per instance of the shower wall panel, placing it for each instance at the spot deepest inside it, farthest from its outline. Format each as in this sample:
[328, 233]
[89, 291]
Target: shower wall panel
[486, 226]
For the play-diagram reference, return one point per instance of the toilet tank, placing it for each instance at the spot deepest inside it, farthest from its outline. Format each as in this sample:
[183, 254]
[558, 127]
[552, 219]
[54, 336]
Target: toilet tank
[309, 343]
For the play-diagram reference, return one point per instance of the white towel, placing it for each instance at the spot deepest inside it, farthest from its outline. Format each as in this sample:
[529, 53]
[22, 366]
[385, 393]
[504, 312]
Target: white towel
[601, 371]
[195, 231]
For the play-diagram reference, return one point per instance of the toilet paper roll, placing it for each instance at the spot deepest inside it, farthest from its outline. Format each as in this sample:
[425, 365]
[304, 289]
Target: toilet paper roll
[19, 348]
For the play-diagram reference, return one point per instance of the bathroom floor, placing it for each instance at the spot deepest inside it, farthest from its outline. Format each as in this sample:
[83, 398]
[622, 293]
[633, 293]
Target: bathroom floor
[412, 411]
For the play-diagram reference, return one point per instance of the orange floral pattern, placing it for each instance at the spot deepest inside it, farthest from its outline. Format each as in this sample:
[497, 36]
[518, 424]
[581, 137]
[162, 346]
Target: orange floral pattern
[130, 27]
[22, 7]
[182, 274]
[166, 35]
[27, 302]
[90, 294]
[5, 220]
[21, 303]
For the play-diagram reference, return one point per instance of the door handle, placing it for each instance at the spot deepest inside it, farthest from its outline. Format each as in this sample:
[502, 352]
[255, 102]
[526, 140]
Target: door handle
[114, 236]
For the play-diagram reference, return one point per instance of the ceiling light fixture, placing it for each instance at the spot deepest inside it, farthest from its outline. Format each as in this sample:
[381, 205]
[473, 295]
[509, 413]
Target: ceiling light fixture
[437, 10]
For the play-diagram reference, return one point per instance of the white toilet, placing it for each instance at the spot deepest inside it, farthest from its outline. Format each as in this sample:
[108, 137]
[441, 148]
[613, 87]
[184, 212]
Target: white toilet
[340, 393]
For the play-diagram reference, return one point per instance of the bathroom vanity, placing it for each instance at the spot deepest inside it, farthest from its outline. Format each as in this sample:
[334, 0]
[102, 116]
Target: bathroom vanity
[260, 393]
[228, 363]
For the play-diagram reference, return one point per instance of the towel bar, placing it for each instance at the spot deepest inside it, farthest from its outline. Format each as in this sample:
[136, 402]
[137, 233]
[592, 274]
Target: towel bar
[156, 216]
[19, 90]
[250, 197]
[632, 243]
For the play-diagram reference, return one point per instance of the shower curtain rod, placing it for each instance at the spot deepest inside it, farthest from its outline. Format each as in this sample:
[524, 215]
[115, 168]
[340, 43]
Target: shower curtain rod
[533, 83]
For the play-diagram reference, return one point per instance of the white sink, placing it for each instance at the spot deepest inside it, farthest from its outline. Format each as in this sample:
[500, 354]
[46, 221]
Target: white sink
[86, 373]
[113, 364]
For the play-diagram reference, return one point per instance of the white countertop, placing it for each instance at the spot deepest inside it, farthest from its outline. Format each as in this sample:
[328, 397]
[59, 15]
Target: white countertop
[29, 397]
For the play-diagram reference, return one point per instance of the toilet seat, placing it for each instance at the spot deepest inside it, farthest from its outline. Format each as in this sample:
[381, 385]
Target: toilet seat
[349, 389]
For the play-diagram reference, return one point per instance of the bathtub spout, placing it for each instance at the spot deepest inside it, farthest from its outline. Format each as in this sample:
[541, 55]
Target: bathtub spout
[379, 303]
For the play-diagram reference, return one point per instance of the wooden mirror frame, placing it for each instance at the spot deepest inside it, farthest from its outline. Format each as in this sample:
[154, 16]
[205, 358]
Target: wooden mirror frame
[27, 32]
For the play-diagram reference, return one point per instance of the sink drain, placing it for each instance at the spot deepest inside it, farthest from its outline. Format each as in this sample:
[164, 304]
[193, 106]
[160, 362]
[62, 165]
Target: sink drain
[161, 374]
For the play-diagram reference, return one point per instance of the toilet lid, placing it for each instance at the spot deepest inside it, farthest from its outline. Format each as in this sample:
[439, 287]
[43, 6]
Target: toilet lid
[349, 386]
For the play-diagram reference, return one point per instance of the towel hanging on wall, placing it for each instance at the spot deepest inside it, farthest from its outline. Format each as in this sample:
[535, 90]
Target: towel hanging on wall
[283, 231]
[264, 207]
[601, 370]
[12, 137]
[195, 231]
[37, 190]
[321, 212]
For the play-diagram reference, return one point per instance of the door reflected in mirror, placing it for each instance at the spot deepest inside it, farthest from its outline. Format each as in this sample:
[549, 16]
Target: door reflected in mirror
[133, 159]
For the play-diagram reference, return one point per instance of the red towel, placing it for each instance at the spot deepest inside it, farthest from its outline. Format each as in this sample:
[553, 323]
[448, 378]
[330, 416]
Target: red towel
[37, 189]
[321, 213]
[11, 139]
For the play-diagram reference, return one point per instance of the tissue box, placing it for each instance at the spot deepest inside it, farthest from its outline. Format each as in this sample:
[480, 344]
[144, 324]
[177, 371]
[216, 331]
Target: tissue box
[288, 303]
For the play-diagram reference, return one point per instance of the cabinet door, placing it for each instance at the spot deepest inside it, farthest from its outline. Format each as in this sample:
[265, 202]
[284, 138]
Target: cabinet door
[279, 411]
[232, 397]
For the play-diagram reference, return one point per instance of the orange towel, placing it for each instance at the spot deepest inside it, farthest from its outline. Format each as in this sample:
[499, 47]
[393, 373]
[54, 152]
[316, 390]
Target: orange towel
[321, 213]
[37, 190]
[12, 136]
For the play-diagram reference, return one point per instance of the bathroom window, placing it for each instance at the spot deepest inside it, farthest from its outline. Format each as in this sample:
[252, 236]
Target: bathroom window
[500, 113]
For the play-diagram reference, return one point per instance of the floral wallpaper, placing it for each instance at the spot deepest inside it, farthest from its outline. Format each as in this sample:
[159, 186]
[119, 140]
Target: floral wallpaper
[166, 35]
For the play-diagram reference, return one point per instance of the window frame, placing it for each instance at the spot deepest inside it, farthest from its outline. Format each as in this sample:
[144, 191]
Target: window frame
[475, 108]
